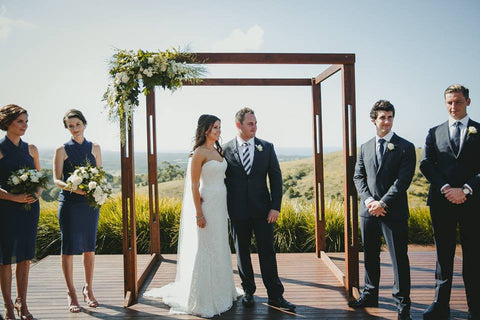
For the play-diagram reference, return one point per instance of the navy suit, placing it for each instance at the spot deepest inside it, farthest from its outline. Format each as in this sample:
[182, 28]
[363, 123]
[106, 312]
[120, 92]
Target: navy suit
[442, 166]
[249, 201]
[387, 182]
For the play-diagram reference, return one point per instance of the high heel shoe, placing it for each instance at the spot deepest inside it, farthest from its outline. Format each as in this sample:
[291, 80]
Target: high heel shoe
[73, 308]
[6, 312]
[90, 303]
[18, 307]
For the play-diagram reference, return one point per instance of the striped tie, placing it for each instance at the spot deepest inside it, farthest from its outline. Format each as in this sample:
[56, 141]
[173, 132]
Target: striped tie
[246, 158]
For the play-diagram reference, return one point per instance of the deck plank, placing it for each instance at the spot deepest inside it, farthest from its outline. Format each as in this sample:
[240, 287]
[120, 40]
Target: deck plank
[308, 282]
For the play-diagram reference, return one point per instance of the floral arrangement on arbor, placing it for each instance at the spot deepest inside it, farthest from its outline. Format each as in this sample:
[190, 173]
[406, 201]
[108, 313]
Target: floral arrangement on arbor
[134, 72]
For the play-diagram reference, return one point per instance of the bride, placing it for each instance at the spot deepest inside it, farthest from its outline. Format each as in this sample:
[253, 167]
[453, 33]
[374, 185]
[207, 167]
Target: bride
[204, 283]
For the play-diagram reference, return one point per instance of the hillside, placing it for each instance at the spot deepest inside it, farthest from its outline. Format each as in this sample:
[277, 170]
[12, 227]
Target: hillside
[298, 180]
[333, 175]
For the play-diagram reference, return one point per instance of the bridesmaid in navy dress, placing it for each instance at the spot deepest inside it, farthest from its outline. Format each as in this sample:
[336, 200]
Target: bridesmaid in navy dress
[18, 226]
[78, 221]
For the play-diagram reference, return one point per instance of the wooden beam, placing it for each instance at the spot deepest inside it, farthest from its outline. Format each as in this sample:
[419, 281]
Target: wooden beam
[152, 262]
[318, 187]
[275, 58]
[249, 82]
[327, 73]
[152, 174]
[128, 214]
[349, 191]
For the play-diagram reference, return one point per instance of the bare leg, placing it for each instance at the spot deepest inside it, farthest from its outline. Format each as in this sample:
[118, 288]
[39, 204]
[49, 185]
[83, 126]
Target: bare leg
[89, 265]
[6, 286]
[67, 267]
[22, 272]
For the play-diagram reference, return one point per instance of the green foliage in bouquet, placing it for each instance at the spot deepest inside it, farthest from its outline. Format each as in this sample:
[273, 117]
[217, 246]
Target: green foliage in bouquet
[93, 181]
[133, 72]
[27, 181]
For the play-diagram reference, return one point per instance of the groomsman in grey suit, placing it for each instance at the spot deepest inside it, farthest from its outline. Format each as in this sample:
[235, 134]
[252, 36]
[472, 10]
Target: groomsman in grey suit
[383, 173]
[451, 163]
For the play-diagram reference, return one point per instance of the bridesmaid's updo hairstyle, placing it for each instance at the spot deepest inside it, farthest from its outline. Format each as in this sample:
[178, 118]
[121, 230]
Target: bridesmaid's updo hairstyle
[73, 113]
[8, 114]
[204, 125]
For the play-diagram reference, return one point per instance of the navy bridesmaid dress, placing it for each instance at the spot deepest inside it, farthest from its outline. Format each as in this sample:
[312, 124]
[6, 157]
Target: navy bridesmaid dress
[18, 226]
[78, 221]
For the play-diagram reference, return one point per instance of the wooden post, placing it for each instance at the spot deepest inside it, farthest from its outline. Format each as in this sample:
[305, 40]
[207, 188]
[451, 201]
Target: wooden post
[128, 216]
[350, 201]
[319, 195]
[152, 174]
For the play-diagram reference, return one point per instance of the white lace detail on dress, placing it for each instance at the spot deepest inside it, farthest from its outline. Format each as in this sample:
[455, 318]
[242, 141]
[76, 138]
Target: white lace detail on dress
[204, 283]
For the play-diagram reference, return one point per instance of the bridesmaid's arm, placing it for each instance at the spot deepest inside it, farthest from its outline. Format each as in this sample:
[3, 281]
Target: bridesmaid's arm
[97, 153]
[58, 159]
[32, 149]
[34, 154]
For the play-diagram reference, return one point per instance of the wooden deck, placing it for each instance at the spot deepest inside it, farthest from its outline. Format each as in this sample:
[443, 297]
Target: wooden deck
[309, 283]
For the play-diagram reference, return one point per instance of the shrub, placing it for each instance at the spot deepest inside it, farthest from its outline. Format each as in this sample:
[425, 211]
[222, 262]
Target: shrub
[294, 230]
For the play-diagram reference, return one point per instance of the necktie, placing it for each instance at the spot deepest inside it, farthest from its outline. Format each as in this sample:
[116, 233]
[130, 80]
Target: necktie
[246, 158]
[456, 137]
[381, 149]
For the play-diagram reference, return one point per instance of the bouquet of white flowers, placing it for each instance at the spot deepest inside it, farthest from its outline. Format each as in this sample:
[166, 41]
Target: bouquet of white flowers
[93, 182]
[27, 181]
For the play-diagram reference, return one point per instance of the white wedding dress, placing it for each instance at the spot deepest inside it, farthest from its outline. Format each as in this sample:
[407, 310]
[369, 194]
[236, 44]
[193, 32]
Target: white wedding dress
[204, 283]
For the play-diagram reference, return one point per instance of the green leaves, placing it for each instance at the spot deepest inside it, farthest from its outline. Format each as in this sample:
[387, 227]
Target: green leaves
[134, 72]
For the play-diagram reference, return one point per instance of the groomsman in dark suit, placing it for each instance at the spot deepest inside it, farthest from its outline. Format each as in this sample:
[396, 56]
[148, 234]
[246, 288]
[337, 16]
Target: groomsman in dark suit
[252, 207]
[451, 163]
[383, 172]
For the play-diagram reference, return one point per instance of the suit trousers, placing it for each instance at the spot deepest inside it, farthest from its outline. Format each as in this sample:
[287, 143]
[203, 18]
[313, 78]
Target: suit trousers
[242, 235]
[445, 218]
[395, 233]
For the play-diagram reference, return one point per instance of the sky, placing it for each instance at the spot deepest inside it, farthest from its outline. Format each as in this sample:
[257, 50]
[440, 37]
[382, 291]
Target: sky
[54, 55]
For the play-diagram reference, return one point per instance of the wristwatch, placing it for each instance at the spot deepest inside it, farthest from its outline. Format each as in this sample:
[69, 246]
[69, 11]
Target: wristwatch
[466, 191]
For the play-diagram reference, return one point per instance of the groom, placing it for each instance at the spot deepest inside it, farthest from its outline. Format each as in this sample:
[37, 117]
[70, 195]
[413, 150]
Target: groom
[252, 208]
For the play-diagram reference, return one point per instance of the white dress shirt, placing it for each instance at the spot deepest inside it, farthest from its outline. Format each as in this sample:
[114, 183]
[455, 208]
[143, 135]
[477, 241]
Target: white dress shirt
[251, 148]
[463, 129]
[387, 139]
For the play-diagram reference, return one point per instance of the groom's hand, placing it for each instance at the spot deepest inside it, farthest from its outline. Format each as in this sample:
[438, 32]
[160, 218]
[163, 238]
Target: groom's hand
[272, 216]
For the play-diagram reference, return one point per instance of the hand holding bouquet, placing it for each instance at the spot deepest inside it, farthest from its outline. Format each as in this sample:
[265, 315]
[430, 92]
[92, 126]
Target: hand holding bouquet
[27, 181]
[93, 182]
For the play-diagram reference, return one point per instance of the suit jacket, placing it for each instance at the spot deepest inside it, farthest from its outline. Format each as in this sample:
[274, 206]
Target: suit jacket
[389, 181]
[248, 195]
[441, 166]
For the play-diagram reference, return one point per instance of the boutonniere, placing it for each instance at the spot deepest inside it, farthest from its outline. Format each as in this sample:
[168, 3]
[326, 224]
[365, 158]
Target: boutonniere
[390, 146]
[471, 130]
[259, 147]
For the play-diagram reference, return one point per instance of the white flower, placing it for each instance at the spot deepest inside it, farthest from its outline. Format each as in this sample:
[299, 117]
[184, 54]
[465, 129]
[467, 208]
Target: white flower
[15, 180]
[94, 170]
[390, 146]
[163, 67]
[139, 76]
[92, 185]
[125, 78]
[77, 180]
[150, 60]
[24, 177]
[259, 147]
[148, 72]
[34, 178]
[472, 130]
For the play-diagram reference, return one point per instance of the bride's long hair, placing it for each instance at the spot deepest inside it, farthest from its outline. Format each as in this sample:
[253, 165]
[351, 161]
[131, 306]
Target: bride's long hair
[204, 125]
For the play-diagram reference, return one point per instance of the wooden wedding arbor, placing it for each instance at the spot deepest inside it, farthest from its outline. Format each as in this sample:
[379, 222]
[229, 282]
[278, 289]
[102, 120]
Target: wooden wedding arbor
[338, 62]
